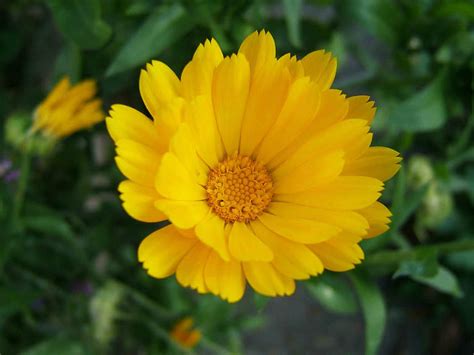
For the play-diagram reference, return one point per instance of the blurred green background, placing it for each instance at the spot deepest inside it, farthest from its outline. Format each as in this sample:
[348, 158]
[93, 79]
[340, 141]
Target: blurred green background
[70, 282]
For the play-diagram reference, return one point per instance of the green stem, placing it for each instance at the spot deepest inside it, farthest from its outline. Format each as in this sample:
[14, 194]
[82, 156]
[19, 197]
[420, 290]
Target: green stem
[394, 257]
[22, 183]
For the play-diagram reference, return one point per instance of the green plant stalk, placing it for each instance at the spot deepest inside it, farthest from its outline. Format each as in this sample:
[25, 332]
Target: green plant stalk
[394, 257]
[22, 183]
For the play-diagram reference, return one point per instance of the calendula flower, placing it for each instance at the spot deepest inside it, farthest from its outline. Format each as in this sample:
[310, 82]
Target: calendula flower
[68, 109]
[184, 334]
[265, 172]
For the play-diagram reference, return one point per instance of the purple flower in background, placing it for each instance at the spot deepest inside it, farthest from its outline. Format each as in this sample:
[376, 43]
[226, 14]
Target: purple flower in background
[8, 174]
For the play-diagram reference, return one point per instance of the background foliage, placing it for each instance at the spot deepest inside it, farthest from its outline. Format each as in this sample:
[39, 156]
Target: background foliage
[69, 279]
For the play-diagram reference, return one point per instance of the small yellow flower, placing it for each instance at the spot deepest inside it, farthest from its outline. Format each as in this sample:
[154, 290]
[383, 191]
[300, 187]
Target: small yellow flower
[184, 334]
[266, 173]
[68, 109]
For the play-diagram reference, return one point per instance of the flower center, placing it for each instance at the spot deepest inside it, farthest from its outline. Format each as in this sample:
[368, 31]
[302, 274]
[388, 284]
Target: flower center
[239, 189]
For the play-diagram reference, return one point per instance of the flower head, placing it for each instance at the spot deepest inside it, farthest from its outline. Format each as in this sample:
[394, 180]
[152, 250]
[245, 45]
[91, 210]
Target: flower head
[184, 334]
[265, 172]
[68, 109]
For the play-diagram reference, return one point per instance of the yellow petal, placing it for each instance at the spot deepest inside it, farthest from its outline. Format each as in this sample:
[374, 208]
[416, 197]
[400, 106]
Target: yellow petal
[127, 123]
[333, 109]
[175, 182]
[135, 172]
[259, 49]
[349, 221]
[138, 201]
[183, 214]
[298, 111]
[190, 271]
[378, 217]
[344, 193]
[320, 67]
[211, 231]
[379, 162]
[183, 146]
[158, 86]
[196, 78]
[291, 259]
[267, 95]
[361, 108]
[317, 171]
[338, 256]
[224, 278]
[162, 250]
[244, 245]
[298, 229]
[338, 136]
[140, 155]
[266, 280]
[229, 95]
[294, 66]
[200, 117]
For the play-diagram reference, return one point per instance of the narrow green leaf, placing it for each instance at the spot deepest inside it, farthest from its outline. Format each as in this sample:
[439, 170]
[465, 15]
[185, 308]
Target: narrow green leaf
[56, 346]
[333, 293]
[293, 19]
[81, 22]
[423, 111]
[163, 27]
[49, 225]
[443, 281]
[374, 310]
[424, 265]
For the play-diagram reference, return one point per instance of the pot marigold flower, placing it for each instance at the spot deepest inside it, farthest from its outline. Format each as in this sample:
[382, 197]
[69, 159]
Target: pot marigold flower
[68, 109]
[266, 173]
[184, 334]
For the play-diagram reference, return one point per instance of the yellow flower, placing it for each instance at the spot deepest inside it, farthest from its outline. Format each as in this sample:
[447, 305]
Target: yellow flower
[265, 172]
[68, 109]
[183, 333]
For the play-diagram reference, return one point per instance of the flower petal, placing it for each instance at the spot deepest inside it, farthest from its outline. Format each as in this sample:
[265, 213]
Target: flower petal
[244, 245]
[379, 162]
[320, 67]
[200, 117]
[183, 214]
[349, 221]
[138, 201]
[297, 112]
[259, 48]
[162, 250]
[361, 108]
[196, 78]
[230, 90]
[266, 280]
[291, 259]
[127, 123]
[175, 182]
[212, 232]
[344, 193]
[158, 86]
[298, 229]
[317, 171]
[224, 278]
[267, 96]
[378, 217]
[190, 271]
[337, 255]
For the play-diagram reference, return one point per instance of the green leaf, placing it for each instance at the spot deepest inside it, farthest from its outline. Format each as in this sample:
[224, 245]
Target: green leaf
[81, 22]
[443, 281]
[49, 224]
[260, 301]
[381, 18]
[374, 310]
[293, 16]
[425, 265]
[163, 27]
[56, 346]
[423, 111]
[13, 301]
[333, 293]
